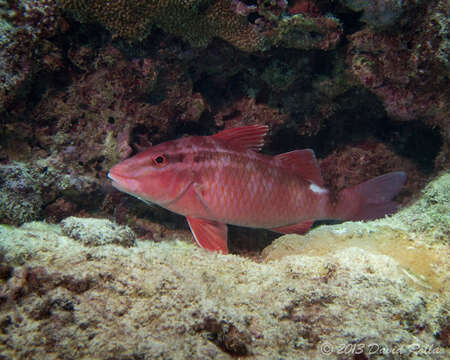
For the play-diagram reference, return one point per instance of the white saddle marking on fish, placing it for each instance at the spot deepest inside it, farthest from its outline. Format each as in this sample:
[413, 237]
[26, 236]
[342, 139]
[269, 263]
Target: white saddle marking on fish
[317, 189]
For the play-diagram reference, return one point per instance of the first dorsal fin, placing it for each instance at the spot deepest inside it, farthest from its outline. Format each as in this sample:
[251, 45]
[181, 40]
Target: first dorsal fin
[304, 163]
[245, 137]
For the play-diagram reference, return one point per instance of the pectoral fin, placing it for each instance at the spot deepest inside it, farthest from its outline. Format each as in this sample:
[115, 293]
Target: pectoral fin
[300, 228]
[208, 234]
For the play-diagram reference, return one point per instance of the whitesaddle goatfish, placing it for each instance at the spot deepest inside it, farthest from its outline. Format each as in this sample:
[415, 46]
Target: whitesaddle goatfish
[223, 179]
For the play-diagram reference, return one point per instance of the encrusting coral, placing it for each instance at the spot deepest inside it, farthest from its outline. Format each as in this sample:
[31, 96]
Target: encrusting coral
[430, 214]
[305, 32]
[196, 21]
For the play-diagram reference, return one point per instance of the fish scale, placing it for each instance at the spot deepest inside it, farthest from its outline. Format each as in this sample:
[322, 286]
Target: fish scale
[223, 179]
[237, 191]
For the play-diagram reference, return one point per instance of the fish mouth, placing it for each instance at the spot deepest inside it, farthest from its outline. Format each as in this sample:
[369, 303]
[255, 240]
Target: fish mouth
[122, 183]
[115, 179]
[117, 174]
[125, 185]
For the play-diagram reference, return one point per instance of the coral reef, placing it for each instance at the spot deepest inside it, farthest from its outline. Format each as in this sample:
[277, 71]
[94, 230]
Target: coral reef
[97, 117]
[408, 89]
[247, 112]
[196, 21]
[27, 189]
[25, 25]
[20, 196]
[408, 69]
[82, 101]
[174, 300]
[306, 32]
[354, 164]
[378, 13]
[430, 214]
[101, 104]
[97, 232]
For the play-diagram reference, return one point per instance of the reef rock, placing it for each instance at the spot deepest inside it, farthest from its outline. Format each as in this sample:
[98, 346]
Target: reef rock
[378, 13]
[357, 290]
[97, 232]
[407, 69]
[25, 25]
[27, 189]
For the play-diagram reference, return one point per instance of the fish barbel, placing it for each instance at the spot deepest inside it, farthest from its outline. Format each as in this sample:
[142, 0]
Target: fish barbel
[223, 179]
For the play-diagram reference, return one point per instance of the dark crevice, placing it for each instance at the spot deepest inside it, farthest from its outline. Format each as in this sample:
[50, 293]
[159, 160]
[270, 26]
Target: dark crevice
[350, 19]
[358, 120]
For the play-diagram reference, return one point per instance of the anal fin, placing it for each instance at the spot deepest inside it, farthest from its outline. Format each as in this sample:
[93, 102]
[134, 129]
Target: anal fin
[208, 234]
[300, 228]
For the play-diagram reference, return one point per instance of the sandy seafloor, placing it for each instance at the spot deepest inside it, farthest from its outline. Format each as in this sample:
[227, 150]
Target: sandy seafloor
[88, 289]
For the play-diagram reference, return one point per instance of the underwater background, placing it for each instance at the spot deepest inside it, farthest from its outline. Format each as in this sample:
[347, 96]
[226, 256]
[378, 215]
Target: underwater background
[87, 272]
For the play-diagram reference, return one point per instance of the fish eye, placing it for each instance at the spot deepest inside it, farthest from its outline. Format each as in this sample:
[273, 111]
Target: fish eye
[159, 160]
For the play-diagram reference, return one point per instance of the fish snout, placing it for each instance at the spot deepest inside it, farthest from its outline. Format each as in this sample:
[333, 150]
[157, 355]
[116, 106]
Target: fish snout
[121, 180]
[119, 172]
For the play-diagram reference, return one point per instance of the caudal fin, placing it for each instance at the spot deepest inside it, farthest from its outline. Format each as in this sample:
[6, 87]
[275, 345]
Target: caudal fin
[371, 199]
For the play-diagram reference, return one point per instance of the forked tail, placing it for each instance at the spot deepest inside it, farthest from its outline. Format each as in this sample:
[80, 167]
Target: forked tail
[371, 199]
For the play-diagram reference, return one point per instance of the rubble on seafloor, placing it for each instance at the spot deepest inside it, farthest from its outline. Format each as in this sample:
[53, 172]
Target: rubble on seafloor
[366, 289]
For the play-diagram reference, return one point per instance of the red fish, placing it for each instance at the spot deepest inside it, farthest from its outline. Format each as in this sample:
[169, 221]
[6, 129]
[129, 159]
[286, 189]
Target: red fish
[223, 179]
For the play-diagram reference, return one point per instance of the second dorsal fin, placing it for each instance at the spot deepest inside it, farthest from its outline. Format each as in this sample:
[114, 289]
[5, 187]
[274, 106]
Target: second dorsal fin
[245, 137]
[304, 163]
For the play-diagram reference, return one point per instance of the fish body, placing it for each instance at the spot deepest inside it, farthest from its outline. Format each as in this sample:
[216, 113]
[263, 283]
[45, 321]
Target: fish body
[223, 179]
